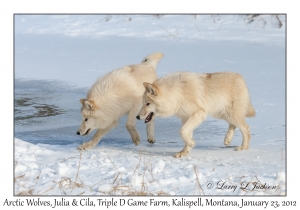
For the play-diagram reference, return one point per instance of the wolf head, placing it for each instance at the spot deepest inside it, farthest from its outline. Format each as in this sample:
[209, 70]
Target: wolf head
[150, 108]
[152, 59]
[92, 118]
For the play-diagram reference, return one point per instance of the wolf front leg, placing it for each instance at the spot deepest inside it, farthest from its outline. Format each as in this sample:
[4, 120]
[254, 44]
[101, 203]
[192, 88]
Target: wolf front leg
[186, 132]
[97, 137]
[150, 132]
[131, 121]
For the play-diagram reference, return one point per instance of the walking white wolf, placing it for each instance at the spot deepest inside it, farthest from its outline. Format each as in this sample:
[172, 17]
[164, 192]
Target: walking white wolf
[193, 96]
[114, 95]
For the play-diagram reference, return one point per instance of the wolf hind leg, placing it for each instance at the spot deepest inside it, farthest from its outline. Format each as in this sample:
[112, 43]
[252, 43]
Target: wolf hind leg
[229, 135]
[244, 128]
[97, 137]
[186, 132]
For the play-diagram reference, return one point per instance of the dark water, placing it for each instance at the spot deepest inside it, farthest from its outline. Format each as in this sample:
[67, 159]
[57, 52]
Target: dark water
[46, 111]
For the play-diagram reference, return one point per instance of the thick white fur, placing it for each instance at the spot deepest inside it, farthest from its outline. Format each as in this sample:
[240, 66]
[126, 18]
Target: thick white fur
[114, 95]
[193, 96]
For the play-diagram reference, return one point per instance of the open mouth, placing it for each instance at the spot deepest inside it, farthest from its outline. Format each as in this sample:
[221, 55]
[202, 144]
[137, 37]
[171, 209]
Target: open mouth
[149, 117]
[86, 133]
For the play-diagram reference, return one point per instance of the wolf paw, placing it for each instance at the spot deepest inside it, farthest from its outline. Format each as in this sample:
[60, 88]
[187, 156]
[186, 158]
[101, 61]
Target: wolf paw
[226, 143]
[85, 146]
[136, 140]
[227, 140]
[241, 148]
[151, 140]
[181, 154]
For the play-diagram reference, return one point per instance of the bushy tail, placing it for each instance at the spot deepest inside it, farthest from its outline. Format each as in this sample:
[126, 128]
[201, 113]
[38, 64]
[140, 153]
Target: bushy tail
[153, 59]
[251, 111]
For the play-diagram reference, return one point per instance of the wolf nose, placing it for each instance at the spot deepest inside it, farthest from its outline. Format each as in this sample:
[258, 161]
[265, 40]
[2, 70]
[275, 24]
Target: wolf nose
[78, 133]
[138, 117]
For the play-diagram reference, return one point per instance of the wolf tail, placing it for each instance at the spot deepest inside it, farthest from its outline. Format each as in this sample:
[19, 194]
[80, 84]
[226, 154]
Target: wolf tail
[250, 111]
[153, 59]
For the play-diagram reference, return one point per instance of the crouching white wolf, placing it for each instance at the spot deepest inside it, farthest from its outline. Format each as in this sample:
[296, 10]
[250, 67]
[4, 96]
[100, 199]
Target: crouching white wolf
[118, 93]
[193, 96]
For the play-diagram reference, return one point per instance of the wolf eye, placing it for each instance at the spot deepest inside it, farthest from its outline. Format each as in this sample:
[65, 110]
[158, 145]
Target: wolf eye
[147, 104]
[85, 119]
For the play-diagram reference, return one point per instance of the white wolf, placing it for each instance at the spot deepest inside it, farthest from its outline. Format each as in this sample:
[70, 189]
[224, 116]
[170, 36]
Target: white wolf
[118, 93]
[193, 96]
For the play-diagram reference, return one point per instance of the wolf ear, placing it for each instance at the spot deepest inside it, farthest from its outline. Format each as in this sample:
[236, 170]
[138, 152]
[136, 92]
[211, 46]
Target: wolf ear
[82, 101]
[150, 88]
[88, 104]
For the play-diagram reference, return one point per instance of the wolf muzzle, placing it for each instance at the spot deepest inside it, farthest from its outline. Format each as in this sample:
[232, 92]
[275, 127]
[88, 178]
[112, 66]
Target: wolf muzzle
[138, 117]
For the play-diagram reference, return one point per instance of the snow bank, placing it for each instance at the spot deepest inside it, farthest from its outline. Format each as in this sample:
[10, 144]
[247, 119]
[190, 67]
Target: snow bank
[99, 171]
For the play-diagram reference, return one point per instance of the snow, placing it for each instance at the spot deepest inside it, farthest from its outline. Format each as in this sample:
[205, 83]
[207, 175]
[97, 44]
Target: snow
[57, 58]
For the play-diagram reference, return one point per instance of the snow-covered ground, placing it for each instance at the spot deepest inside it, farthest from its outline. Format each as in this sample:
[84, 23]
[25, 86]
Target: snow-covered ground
[57, 59]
